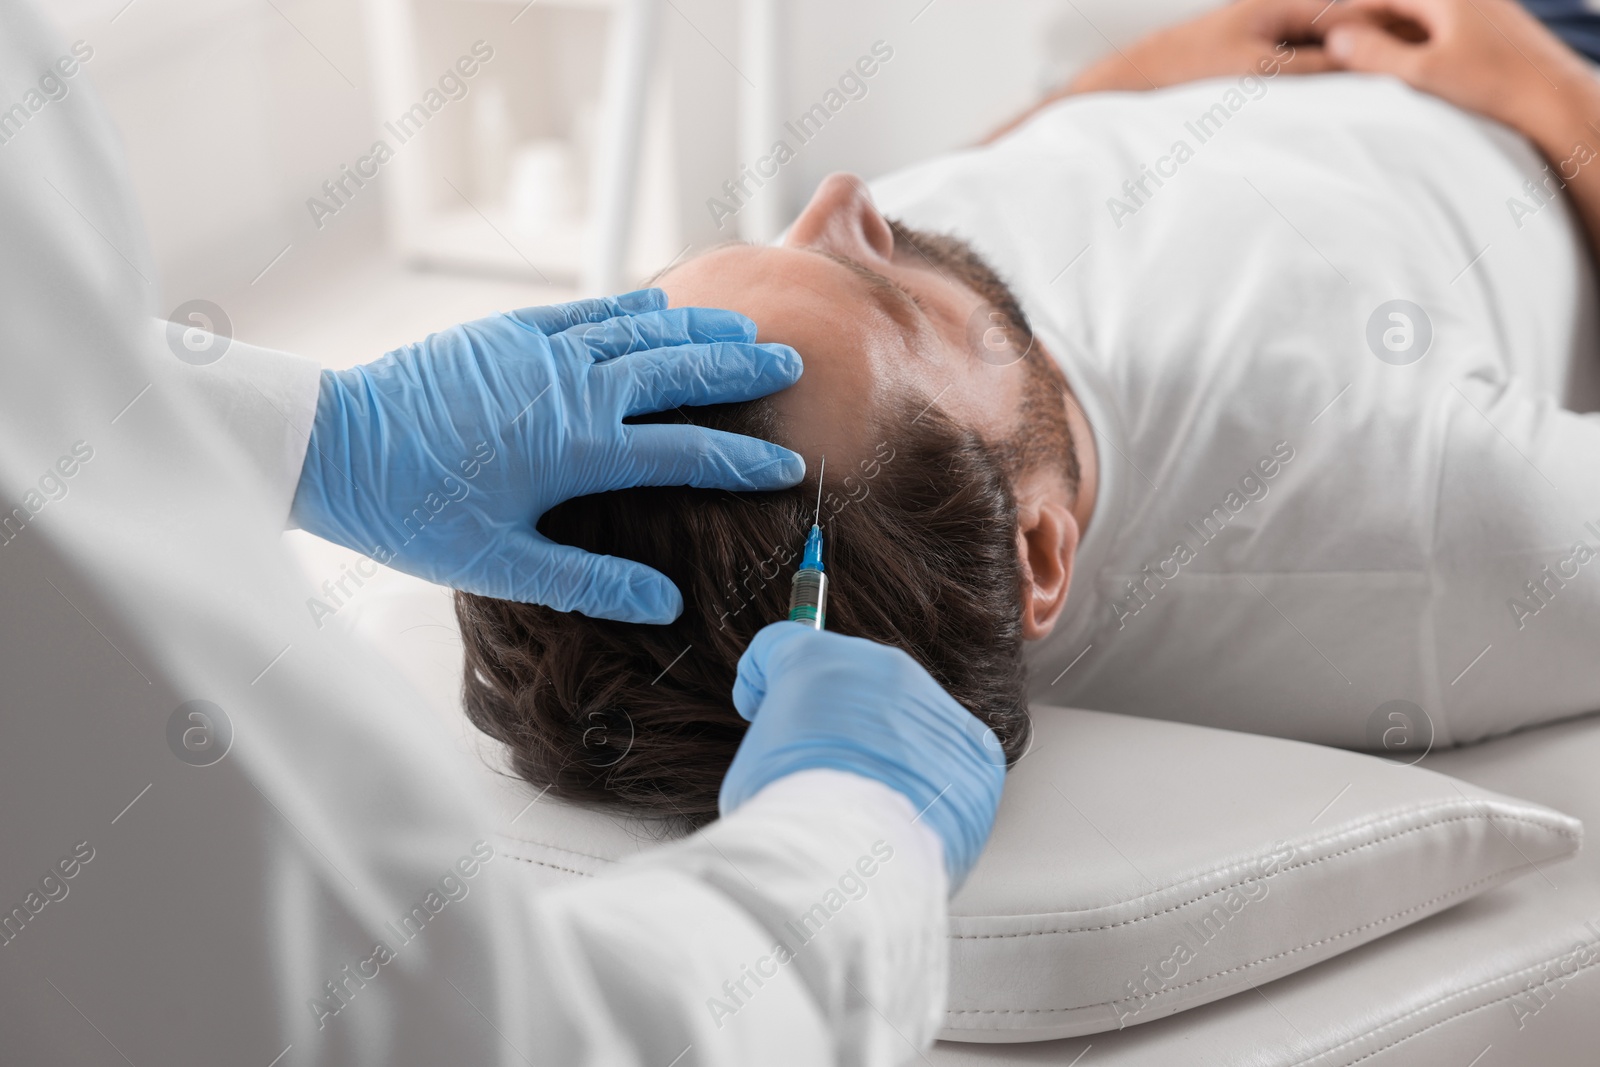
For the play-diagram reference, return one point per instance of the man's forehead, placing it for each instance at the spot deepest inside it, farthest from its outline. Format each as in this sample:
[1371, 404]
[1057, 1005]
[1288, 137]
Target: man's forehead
[691, 254]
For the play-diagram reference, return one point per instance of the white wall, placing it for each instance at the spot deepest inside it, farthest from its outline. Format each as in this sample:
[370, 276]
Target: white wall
[960, 68]
[234, 111]
[230, 119]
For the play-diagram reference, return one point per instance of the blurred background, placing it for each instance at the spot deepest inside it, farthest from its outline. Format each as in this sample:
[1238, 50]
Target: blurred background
[580, 153]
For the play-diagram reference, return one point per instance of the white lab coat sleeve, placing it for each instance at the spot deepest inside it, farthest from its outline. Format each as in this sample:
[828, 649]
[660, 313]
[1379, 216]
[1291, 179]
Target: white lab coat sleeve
[828, 949]
[266, 398]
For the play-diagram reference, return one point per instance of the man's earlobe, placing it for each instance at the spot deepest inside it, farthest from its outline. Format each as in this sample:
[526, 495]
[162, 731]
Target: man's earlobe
[1047, 544]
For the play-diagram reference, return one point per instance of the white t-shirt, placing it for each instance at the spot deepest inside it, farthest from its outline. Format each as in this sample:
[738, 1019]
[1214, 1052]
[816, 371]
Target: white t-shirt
[1292, 533]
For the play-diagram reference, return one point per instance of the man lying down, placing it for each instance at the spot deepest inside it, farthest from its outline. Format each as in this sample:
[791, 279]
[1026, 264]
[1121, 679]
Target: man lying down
[1235, 402]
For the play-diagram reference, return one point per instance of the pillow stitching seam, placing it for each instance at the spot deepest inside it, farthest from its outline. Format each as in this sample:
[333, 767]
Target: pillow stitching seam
[1563, 831]
[553, 866]
[559, 848]
[1243, 966]
[1447, 1018]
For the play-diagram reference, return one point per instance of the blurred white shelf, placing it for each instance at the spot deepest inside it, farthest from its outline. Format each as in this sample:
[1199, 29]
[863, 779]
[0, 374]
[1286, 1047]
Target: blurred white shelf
[430, 228]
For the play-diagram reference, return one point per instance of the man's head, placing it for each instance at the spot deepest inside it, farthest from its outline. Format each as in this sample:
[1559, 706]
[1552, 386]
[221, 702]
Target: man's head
[948, 505]
[884, 315]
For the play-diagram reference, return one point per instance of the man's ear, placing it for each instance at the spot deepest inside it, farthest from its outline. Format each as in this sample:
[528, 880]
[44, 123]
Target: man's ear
[1047, 544]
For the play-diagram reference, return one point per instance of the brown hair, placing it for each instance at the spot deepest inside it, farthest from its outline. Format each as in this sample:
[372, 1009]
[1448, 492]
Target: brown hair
[922, 554]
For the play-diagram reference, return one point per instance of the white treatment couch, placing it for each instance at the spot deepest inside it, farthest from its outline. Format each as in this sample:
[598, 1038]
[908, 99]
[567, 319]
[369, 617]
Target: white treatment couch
[1434, 915]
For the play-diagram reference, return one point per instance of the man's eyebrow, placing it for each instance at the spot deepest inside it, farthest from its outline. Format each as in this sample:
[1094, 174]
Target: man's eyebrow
[892, 298]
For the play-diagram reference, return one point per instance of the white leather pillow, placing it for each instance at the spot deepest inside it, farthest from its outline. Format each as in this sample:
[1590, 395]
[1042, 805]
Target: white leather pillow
[1139, 868]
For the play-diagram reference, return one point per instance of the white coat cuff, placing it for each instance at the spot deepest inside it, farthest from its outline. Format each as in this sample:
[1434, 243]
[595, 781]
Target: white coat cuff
[268, 401]
[865, 799]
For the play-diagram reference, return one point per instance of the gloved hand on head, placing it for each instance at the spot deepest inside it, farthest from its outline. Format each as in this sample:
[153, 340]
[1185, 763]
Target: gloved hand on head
[818, 699]
[439, 458]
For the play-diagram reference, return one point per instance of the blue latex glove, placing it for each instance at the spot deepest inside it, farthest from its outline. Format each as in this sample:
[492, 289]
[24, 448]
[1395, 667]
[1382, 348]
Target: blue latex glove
[439, 458]
[819, 699]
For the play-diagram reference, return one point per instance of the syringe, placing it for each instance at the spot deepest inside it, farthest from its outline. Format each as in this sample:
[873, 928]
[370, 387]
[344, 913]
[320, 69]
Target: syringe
[808, 592]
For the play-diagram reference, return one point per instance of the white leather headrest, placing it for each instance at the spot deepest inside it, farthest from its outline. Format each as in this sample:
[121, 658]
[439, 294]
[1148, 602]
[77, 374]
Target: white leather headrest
[1141, 867]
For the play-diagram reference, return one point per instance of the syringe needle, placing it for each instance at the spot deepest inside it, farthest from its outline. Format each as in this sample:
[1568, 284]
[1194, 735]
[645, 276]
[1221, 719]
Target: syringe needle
[820, 468]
